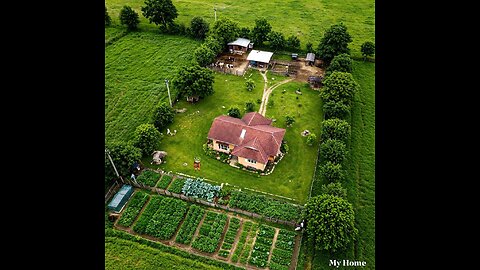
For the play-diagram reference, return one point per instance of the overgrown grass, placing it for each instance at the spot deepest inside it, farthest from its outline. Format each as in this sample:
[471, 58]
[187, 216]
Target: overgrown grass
[306, 19]
[135, 69]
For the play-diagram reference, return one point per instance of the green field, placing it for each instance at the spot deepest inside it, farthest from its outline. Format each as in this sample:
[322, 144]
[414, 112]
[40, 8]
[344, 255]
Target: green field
[124, 254]
[136, 66]
[306, 19]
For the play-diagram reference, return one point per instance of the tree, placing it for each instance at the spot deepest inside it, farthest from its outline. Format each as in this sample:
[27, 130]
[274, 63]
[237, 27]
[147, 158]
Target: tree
[199, 27]
[123, 156]
[129, 17]
[160, 12]
[260, 31]
[332, 172]
[293, 42]
[234, 112]
[193, 80]
[330, 222]
[311, 139]
[334, 151]
[334, 42]
[245, 32]
[333, 109]
[335, 129]
[108, 20]
[162, 116]
[339, 87]
[289, 120]
[225, 30]
[334, 189]
[204, 55]
[309, 47]
[342, 63]
[367, 49]
[250, 84]
[249, 107]
[277, 40]
[147, 138]
[213, 43]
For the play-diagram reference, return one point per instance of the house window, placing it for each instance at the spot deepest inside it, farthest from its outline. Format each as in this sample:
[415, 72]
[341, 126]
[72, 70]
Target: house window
[251, 161]
[223, 146]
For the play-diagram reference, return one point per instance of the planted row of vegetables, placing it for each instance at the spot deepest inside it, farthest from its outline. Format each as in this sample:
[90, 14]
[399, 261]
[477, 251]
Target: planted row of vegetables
[164, 223]
[210, 233]
[229, 239]
[190, 224]
[133, 208]
[263, 244]
[283, 251]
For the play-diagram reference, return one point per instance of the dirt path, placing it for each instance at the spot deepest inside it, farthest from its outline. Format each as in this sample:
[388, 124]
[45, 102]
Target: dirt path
[275, 236]
[235, 242]
[267, 92]
[296, 251]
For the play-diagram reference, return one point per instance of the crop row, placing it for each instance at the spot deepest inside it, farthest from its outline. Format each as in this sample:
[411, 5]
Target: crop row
[233, 228]
[194, 215]
[148, 178]
[165, 221]
[249, 244]
[177, 185]
[283, 251]
[135, 204]
[152, 207]
[265, 206]
[210, 232]
[285, 240]
[261, 249]
[241, 241]
[164, 181]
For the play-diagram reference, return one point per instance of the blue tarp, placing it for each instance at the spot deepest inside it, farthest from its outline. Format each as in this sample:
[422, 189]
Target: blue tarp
[120, 198]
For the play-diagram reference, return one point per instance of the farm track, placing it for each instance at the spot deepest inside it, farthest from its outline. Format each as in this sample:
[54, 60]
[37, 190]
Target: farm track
[268, 91]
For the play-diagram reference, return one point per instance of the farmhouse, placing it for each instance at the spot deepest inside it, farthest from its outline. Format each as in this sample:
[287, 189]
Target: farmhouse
[259, 58]
[252, 141]
[240, 46]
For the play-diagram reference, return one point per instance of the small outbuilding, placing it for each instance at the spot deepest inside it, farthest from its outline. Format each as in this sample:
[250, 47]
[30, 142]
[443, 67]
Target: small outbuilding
[121, 198]
[310, 59]
[240, 45]
[259, 58]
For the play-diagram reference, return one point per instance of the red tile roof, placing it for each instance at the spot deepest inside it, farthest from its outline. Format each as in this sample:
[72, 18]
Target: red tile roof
[260, 140]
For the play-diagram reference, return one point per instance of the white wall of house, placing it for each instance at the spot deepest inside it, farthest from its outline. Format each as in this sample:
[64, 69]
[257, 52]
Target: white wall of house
[246, 163]
[216, 147]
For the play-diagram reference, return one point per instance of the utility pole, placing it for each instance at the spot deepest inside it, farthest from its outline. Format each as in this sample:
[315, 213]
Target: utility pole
[168, 89]
[215, 10]
[111, 161]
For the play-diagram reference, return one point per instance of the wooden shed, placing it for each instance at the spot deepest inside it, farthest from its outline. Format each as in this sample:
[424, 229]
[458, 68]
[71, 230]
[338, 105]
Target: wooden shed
[310, 59]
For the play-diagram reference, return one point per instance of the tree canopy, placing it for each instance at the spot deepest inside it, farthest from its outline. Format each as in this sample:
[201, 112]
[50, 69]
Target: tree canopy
[293, 42]
[199, 27]
[260, 31]
[160, 12]
[194, 80]
[163, 115]
[334, 151]
[333, 109]
[334, 42]
[342, 63]
[123, 155]
[147, 138]
[330, 222]
[335, 129]
[204, 55]
[332, 172]
[277, 40]
[129, 17]
[367, 49]
[334, 189]
[225, 30]
[339, 87]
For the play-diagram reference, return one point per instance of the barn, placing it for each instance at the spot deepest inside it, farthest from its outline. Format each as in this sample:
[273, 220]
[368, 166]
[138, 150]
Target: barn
[241, 45]
[259, 59]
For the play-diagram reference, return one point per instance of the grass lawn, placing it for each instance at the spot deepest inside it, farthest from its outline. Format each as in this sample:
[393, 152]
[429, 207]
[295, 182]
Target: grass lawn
[136, 66]
[360, 173]
[124, 254]
[306, 19]
[193, 126]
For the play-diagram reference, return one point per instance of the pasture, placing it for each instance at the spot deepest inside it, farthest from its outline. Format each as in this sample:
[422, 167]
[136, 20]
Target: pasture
[306, 19]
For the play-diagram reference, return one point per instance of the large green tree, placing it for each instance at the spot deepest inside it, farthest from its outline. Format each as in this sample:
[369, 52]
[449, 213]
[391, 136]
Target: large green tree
[204, 55]
[245, 32]
[163, 115]
[160, 12]
[194, 80]
[339, 87]
[334, 42]
[335, 129]
[147, 138]
[123, 155]
[334, 189]
[225, 31]
[199, 27]
[293, 42]
[330, 223]
[342, 62]
[334, 151]
[213, 42]
[260, 31]
[331, 172]
[333, 109]
[277, 40]
[129, 17]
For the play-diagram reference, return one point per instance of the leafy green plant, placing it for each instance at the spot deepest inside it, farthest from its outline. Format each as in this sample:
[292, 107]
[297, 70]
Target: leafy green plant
[190, 224]
[208, 240]
[148, 178]
[197, 188]
[165, 221]
[164, 181]
[135, 204]
[177, 185]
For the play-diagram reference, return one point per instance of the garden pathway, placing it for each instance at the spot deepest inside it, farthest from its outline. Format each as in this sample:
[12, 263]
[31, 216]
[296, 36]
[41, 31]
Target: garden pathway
[268, 91]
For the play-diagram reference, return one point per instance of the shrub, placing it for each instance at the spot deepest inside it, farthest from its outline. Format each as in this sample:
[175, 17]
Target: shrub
[249, 107]
[162, 116]
[129, 18]
[331, 172]
[147, 138]
[289, 120]
[333, 109]
[234, 112]
[199, 27]
[336, 129]
[250, 84]
[311, 139]
[334, 151]
[335, 189]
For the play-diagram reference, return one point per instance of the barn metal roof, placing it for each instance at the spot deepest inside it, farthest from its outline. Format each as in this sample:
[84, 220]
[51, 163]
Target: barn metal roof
[240, 42]
[259, 56]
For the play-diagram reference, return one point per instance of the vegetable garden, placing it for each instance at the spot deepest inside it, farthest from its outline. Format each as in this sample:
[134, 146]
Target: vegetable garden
[208, 232]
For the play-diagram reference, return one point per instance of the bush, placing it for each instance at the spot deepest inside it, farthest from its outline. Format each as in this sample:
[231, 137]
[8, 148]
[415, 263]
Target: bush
[335, 129]
[249, 107]
[147, 138]
[332, 172]
[162, 116]
[333, 109]
[199, 27]
[342, 63]
[234, 112]
[108, 20]
[204, 55]
[289, 120]
[293, 42]
[129, 18]
[334, 151]
[250, 84]
[335, 189]
[311, 139]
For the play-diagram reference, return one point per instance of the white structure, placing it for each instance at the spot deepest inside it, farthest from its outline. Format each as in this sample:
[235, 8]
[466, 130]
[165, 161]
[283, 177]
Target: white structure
[256, 56]
[241, 45]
